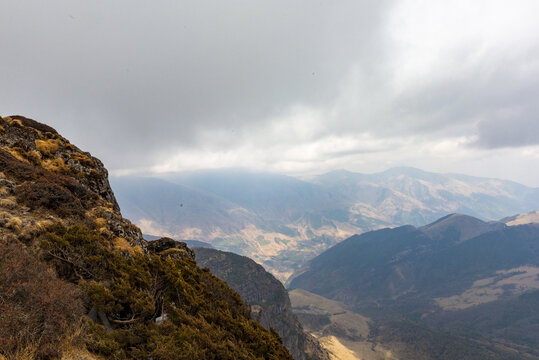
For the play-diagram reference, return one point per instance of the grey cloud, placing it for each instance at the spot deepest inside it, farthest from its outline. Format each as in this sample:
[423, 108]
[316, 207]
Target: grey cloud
[513, 130]
[491, 100]
[135, 81]
[139, 77]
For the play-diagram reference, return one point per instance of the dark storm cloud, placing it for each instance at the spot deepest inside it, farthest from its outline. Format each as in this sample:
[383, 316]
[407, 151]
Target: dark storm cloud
[134, 76]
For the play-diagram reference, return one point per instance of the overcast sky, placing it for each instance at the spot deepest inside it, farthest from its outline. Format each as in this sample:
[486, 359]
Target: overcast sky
[296, 87]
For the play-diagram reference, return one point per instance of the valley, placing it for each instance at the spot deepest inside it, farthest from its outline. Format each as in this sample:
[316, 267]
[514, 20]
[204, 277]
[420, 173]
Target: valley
[366, 277]
[458, 287]
[442, 291]
[282, 222]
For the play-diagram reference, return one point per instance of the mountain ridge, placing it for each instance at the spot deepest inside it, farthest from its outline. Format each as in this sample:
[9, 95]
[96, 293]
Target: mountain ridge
[269, 300]
[322, 210]
[480, 284]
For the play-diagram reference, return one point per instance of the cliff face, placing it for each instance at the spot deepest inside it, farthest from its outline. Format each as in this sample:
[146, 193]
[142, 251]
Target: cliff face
[268, 299]
[45, 178]
[66, 251]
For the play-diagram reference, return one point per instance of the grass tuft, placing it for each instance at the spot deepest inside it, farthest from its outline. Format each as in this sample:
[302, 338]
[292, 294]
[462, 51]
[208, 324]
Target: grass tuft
[4, 190]
[13, 122]
[47, 147]
[57, 165]
[122, 245]
[100, 222]
[83, 159]
[14, 224]
[8, 203]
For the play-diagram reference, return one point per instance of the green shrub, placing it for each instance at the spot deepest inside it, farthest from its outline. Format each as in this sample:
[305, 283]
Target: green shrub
[204, 318]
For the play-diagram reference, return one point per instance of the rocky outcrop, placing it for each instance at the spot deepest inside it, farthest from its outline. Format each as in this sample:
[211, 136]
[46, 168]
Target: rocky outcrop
[167, 247]
[45, 178]
[266, 295]
[40, 144]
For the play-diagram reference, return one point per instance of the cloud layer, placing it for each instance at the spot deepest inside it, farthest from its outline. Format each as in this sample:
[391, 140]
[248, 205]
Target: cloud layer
[297, 87]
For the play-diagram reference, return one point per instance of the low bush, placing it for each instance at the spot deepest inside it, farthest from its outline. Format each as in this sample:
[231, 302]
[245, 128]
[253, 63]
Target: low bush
[37, 310]
[203, 317]
[50, 196]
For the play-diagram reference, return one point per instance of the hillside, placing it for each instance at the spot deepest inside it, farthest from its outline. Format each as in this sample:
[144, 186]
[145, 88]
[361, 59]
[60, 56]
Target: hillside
[267, 297]
[282, 222]
[479, 280]
[345, 334]
[77, 280]
[265, 220]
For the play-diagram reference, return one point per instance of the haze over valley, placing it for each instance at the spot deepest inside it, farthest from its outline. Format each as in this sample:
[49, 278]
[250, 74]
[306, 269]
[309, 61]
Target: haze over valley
[281, 221]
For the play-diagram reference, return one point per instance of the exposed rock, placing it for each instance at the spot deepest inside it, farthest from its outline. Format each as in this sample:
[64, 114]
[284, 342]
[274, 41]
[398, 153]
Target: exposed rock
[37, 142]
[176, 250]
[266, 295]
[43, 173]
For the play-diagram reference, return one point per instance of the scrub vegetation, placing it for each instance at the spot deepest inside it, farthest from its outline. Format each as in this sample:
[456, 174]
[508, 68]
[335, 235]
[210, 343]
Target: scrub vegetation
[78, 281]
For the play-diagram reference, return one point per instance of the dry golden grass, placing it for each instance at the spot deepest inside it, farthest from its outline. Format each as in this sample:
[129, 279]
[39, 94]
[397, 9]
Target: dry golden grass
[73, 346]
[5, 216]
[14, 224]
[31, 156]
[4, 190]
[16, 154]
[100, 222]
[79, 353]
[83, 159]
[57, 165]
[105, 232]
[121, 244]
[34, 156]
[2, 175]
[33, 228]
[44, 225]
[2, 130]
[28, 352]
[13, 122]
[47, 147]
[105, 207]
[8, 203]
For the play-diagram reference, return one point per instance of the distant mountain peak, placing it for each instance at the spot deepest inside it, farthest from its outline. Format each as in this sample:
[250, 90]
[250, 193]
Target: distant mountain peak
[407, 170]
[453, 218]
[462, 227]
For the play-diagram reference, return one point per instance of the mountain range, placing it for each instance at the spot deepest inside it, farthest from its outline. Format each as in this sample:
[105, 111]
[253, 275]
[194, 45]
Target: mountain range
[78, 280]
[456, 288]
[282, 222]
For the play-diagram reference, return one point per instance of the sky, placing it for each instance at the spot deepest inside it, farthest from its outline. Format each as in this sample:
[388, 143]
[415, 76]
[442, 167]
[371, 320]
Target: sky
[295, 87]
